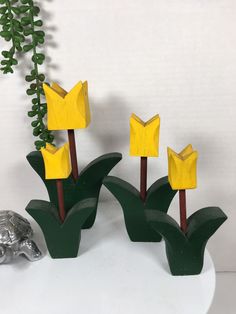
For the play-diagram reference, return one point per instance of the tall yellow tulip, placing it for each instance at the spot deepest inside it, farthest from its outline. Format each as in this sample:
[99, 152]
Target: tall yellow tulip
[144, 136]
[56, 161]
[182, 168]
[67, 111]
[144, 142]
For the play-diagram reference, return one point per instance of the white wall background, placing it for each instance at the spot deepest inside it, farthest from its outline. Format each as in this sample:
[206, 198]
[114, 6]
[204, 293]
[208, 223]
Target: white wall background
[172, 57]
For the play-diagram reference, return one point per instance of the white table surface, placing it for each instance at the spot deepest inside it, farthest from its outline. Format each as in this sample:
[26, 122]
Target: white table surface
[111, 275]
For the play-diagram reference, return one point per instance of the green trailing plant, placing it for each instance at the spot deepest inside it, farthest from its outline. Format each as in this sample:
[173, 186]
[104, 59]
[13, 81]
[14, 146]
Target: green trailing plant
[22, 28]
[87, 185]
[185, 251]
[11, 31]
[159, 197]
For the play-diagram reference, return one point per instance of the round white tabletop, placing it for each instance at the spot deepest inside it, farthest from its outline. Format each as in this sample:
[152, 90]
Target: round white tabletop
[111, 275]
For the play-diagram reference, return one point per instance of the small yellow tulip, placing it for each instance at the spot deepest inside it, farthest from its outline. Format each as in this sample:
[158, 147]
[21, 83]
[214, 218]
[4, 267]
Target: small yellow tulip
[56, 161]
[67, 111]
[144, 136]
[182, 168]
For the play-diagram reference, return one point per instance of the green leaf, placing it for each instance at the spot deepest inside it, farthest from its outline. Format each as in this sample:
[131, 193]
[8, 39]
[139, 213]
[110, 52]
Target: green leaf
[41, 77]
[25, 21]
[16, 10]
[33, 72]
[10, 15]
[5, 34]
[33, 86]
[40, 40]
[18, 48]
[38, 23]
[36, 10]
[6, 27]
[35, 101]
[14, 61]
[35, 123]
[27, 48]
[4, 20]
[19, 37]
[28, 31]
[29, 78]
[3, 10]
[7, 70]
[30, 92]
[6, 54]
[24, 8]
[38, 58]
[39, 143]
[36, 131]
[4, 62]
[32, 113]
[40, 33]
[24, 1]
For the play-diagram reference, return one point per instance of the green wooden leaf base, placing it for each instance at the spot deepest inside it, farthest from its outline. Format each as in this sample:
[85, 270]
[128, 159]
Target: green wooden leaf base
[185, 252]
[159, 197]
[62, 239]
[88, 184]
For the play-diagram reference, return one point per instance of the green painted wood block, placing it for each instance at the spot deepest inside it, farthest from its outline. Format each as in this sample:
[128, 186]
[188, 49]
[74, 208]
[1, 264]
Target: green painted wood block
[88, 184]
[62, 239]
[185, 252]
[159, 197]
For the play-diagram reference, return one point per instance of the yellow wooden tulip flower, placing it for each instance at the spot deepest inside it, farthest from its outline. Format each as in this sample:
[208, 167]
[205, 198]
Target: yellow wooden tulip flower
[182, 168]
[56, 161]
[144, 136]
[67, 111]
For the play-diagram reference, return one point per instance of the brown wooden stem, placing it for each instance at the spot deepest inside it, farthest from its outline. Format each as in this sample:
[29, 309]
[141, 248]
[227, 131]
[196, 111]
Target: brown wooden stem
[143, 178]
[60, 196]
[182, 207]
[74, 165]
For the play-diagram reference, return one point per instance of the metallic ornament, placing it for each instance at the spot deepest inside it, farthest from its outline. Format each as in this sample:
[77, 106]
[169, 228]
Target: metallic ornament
[15, 238]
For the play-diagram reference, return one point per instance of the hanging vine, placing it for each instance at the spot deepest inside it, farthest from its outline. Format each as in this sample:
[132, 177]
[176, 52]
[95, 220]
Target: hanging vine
[22, 28]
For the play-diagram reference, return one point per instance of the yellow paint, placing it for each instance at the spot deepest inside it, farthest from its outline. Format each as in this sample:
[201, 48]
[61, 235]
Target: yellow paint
[56, 161]
[67, 110]
[144, 136]
[182, 168]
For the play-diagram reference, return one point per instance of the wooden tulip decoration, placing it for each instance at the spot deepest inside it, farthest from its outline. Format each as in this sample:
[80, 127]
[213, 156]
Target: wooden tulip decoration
[57, 166]
[182, 174]
[144, 142]
[68, 111]
[185, 244]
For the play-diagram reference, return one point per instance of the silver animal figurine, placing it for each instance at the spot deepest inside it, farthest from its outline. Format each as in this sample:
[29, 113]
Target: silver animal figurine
[15, 238]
